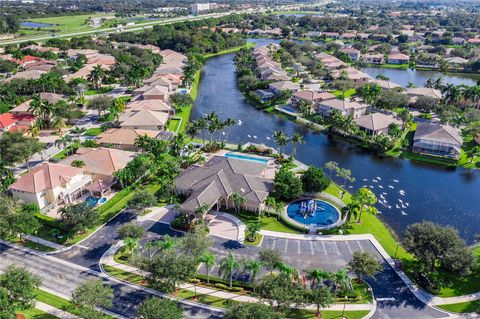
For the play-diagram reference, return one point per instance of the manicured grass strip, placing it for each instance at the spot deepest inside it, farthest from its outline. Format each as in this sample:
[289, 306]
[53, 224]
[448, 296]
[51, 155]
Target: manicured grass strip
[93, 131]
[463, 307]
[346, 94]
[231, 50]
[124, 275]
[326, 314]
[30, 244]
[36, 314]
[174, 125]
[267, 222]
[61, 303]
[102, 90]
[256, 242]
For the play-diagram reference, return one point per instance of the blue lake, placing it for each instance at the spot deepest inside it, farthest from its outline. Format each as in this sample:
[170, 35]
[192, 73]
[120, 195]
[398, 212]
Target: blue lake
[444, 195]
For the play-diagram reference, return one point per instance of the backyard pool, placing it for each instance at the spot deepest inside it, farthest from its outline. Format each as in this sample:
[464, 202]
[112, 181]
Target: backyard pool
[93, 201]
[247, 158]
[313, 212]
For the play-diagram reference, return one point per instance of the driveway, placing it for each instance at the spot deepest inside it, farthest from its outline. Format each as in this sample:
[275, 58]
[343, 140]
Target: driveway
[394, 299]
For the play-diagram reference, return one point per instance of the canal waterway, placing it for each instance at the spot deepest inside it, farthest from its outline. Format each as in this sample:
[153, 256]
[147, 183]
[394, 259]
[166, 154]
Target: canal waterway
[413, 191]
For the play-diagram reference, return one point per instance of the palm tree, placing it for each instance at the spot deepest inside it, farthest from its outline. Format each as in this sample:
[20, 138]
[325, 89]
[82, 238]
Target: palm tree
[317, 275]
[209, 260]
[228, 266]
[166, 243]
[291, 272]
[202, 125]
[43, 110]
[296, 139]
[341, 279]
[238, 201]
[228, 124]
[253, 267]
[192, 130]
[202, 210]
[281, 139]
[349, 210]
[96, 76]
[33, 130]
[332, 166]
[131, 244]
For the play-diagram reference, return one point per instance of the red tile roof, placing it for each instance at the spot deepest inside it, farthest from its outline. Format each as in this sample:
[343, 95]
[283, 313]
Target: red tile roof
[8, 119]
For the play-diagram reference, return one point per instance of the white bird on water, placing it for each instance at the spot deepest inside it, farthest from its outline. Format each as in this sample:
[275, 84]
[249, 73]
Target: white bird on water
[407, 204]
[364, 179]
[391, 186]
[371, 186]
[384, 193]
[268, 138]
[374, 180]
[396, 206]
[379, 178]
[255, 137]
[249, 136]
[395, 180]
[389, 207]
[223, 133]
[380, 186]
[403, 213]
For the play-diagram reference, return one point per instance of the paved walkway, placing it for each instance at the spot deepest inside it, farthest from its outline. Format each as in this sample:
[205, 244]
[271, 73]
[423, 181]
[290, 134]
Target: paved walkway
[107, 259]
[44, 242]
[54, 311]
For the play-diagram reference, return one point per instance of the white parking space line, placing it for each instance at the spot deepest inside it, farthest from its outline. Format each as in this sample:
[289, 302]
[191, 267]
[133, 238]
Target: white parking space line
[286, 245]
[298, 247]
[311, 248]
[335, 244]
[348, 247]
[324, 248]
[359, 243]
[273, 244]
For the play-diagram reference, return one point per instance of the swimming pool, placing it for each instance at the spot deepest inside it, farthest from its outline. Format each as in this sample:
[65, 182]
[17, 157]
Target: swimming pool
[313, 212]
[289, 109]
[91, 201]
[247, 158]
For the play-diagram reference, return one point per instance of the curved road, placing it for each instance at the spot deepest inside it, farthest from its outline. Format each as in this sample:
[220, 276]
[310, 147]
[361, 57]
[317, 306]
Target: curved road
[394, 299]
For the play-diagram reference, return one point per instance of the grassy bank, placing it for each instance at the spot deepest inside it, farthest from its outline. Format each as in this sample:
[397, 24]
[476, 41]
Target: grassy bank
[223, 303]
[231, 50]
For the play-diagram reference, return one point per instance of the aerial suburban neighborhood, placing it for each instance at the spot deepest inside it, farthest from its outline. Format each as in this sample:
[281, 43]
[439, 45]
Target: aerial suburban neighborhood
[239, 159]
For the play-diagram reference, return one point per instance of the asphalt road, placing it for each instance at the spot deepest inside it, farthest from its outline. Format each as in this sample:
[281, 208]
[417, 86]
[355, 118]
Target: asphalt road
[62, 277]
[394, 299]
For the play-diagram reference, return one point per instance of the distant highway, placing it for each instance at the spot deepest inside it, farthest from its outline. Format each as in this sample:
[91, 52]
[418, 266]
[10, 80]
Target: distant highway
[149, 25]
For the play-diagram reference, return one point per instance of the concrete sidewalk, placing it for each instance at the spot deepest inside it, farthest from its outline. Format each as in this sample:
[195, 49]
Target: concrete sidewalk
[54, 311]
[44, 242]
[107, 259]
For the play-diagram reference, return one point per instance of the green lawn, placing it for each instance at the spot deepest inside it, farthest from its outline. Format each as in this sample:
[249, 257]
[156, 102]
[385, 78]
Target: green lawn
[471, 306]
[30, 244]
[174, 124]
[61, 303]
[346, 94]
[102, 90]
[69, 150]
[69, 23]
[93, 131]
[36, 314]
[256, 242]
[267, 222]
[231, 50]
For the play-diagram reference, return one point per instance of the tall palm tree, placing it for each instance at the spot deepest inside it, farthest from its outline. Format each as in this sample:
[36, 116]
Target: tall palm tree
[291, 272]
[43, 110]
[317, 275]
[96, 76]
[166, 243]
[238, 200]
[209, 260]
[228, 124]
[202, 125]
[341, 279]
[281, 139]
[192, 130]
[349, 210]
[253, 267]
[202, 210]
[228, 265]
[296, 139]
